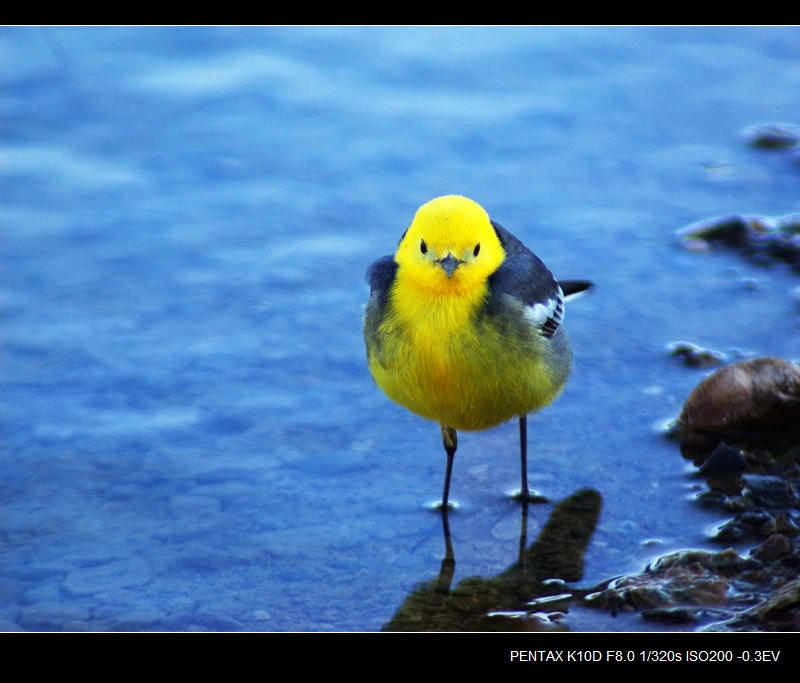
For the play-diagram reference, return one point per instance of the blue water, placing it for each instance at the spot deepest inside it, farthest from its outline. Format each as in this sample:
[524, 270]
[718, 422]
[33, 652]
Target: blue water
[190, 437]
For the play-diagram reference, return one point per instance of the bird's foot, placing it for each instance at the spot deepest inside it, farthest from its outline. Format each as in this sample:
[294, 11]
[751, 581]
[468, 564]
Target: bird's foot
[530, 496]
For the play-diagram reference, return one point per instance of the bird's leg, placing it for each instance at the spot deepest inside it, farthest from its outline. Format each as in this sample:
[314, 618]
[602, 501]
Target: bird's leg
[525, 493]
[450, 441]
[523, 455]
[448, 568]
[523, 536]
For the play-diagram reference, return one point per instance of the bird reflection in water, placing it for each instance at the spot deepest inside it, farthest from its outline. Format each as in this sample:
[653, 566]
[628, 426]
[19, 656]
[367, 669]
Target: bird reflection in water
[515, 599]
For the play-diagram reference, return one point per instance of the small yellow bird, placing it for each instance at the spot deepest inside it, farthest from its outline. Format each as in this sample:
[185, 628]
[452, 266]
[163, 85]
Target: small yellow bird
[463, 325]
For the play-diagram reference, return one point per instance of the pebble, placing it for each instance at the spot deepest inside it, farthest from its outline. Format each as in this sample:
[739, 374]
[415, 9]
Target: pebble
[764, 239]
[711, 499]
[732, 230]
[774, 546]
[755, 518]
[696, 356]
[724, 460]
[767, 491]
[732, 532]
[773, 135]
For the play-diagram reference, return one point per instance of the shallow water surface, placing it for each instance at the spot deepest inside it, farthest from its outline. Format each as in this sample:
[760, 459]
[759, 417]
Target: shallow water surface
[191, 438]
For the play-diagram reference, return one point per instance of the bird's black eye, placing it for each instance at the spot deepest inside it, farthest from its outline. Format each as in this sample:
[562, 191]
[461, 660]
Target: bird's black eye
[423, 247]
[477, 249]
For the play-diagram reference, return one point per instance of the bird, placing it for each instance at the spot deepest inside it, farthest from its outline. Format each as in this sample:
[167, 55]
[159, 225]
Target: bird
[464, 326]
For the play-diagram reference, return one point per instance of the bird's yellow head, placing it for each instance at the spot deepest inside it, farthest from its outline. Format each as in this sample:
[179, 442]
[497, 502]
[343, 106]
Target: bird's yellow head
[449, 246]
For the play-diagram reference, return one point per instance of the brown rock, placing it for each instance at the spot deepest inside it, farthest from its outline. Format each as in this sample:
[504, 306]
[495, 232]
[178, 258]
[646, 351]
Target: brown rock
[775, 546]
[756, 394]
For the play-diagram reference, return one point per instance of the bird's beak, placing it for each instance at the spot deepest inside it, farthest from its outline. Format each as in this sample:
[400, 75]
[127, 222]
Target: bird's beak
[449, 263]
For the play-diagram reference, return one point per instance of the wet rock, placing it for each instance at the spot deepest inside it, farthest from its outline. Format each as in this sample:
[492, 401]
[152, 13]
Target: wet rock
[755, 394]
[696, 356]
[756, 518]
[725, 460]
[723, 591]
[755, 474]
[775, 246]
[667, 587]
[757, 523]
[732, 231]
[727, 559]
[780, 611]
[784, 600]
[732, 532]
[789, 224]
[784, 524]
[644, 596]
[768, 491]
[773, 136]
[738, 503]
[775, 546]
[764, 239]
[711, 499]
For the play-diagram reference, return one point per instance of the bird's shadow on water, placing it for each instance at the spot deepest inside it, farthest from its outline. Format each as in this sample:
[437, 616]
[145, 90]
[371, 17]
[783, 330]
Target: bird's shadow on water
[519, 598]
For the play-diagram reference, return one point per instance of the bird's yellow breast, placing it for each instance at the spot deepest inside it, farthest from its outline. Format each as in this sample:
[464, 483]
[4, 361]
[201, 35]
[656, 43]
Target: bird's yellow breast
[443, 359]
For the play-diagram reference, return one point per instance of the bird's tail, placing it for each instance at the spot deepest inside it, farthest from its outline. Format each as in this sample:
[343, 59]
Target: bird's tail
[574, 289]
